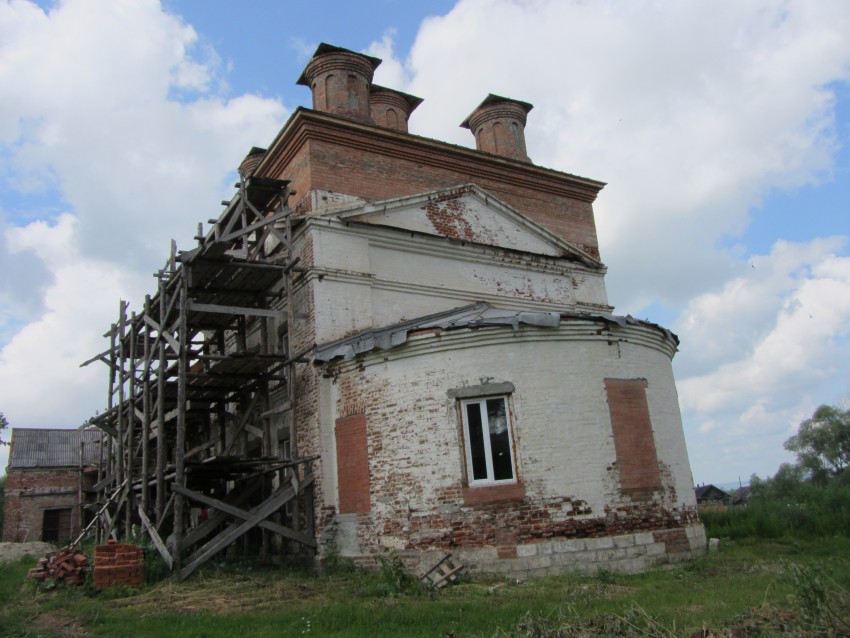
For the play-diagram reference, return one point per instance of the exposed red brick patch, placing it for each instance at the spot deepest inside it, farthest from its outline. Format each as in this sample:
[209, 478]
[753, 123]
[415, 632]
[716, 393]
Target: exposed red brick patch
[635, 447]
[506, 541]
[509, 493]
[675, 540]
[448, 218]
[352, 465]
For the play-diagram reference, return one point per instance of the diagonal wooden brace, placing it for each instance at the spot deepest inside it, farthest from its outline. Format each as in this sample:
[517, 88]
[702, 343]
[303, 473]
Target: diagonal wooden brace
[157, 541]
[254, 518]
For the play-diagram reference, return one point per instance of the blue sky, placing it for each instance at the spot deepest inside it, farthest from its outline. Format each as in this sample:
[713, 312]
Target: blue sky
[723, 132]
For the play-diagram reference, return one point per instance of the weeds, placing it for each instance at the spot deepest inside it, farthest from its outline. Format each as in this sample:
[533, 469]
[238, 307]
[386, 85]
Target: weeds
[745, 589]
[633, 622]
[393, 579]
[824, 604]
[335, 565]
[802, 511]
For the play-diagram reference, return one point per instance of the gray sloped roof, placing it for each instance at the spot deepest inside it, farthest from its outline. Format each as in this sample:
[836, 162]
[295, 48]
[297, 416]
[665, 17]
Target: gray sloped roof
[42, 448]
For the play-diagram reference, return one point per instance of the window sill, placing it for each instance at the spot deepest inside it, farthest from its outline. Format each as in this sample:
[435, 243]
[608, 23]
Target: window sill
[508, 493]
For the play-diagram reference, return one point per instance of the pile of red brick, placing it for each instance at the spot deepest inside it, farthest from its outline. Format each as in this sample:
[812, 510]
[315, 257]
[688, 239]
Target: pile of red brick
[118, 564]
[68, 565]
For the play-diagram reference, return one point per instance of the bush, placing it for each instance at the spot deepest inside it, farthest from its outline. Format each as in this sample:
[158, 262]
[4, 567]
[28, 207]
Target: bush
[393, 579]
[783, 509]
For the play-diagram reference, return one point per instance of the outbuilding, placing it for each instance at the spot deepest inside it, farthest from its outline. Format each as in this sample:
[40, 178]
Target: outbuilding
[48, 481]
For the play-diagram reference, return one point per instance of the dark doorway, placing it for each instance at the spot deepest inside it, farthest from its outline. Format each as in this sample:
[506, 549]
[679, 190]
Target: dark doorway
[56, 524]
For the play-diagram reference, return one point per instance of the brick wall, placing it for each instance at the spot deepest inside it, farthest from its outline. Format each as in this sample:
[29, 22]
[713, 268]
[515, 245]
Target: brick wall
[29, 492]
[118, 564]
[363, 276]
[317, 151]
[405, 446]
[321, 152]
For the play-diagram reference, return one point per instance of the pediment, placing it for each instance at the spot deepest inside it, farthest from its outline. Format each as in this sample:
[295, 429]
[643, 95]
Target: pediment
[465, 213]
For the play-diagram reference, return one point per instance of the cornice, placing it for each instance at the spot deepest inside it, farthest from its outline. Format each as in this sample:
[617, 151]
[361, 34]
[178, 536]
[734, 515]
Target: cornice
[461, 296]
[305, 125]
[416, 242]
[571, 330]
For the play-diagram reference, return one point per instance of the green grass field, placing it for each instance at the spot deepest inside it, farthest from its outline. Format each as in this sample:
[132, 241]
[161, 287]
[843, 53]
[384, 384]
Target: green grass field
[747, 588]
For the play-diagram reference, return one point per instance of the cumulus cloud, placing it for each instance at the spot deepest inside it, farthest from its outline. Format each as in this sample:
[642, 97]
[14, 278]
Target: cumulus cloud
[120, 114]
[797, 345]
[692, 113]
[766, 346]
[794, 280]
[391, 73]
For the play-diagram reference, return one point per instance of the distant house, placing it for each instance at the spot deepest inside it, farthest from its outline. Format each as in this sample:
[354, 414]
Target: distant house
[711, 495]
[47, 480]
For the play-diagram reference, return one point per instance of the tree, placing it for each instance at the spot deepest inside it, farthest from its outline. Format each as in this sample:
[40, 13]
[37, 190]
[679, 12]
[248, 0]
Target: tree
[822, 444]
[3, 425]
[785, 485]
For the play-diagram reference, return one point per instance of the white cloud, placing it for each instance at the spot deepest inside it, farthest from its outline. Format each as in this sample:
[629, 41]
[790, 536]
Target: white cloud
[693, 113]
[41, 383]
[780, 352]
[89, 110]
[391, 72]
[112, 109]
[762, 349]
[727, 324]
[690, 111]
[53, 244]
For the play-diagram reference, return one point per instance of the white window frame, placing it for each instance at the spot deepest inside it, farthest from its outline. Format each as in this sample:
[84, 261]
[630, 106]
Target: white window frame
[488, 453]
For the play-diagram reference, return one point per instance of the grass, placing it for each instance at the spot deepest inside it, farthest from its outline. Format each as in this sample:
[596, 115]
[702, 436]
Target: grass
[783, 510]
[762, 585]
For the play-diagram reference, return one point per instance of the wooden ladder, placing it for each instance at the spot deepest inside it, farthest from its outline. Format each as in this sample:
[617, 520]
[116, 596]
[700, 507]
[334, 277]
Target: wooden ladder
[444, 572]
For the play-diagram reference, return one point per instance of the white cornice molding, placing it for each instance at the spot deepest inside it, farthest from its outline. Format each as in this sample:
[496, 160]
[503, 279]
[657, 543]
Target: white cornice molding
[465, 251]
[571, 330]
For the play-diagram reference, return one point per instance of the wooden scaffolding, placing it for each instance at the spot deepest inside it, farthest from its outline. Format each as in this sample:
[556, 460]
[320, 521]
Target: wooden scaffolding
[200, 431]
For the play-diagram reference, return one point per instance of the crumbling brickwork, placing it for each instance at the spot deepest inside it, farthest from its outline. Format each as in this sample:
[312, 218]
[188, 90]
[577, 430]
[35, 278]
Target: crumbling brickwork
[375, 164]
[420, 497]
[390, 228]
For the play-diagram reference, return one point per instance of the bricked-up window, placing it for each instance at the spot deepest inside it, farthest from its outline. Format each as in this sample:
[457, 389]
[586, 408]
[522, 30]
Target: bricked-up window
[633, 441]
[487, 437]
[352, 461]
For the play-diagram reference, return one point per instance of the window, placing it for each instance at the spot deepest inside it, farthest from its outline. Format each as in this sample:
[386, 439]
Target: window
[487, 436]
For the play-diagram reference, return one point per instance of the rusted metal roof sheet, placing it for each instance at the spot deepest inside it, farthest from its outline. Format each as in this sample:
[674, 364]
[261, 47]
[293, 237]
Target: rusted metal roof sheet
[472, 316]
[44, 448]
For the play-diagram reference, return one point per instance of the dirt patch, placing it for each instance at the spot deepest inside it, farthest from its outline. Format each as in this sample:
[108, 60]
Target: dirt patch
[57, 624]
[220, 595]
[13, 552]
